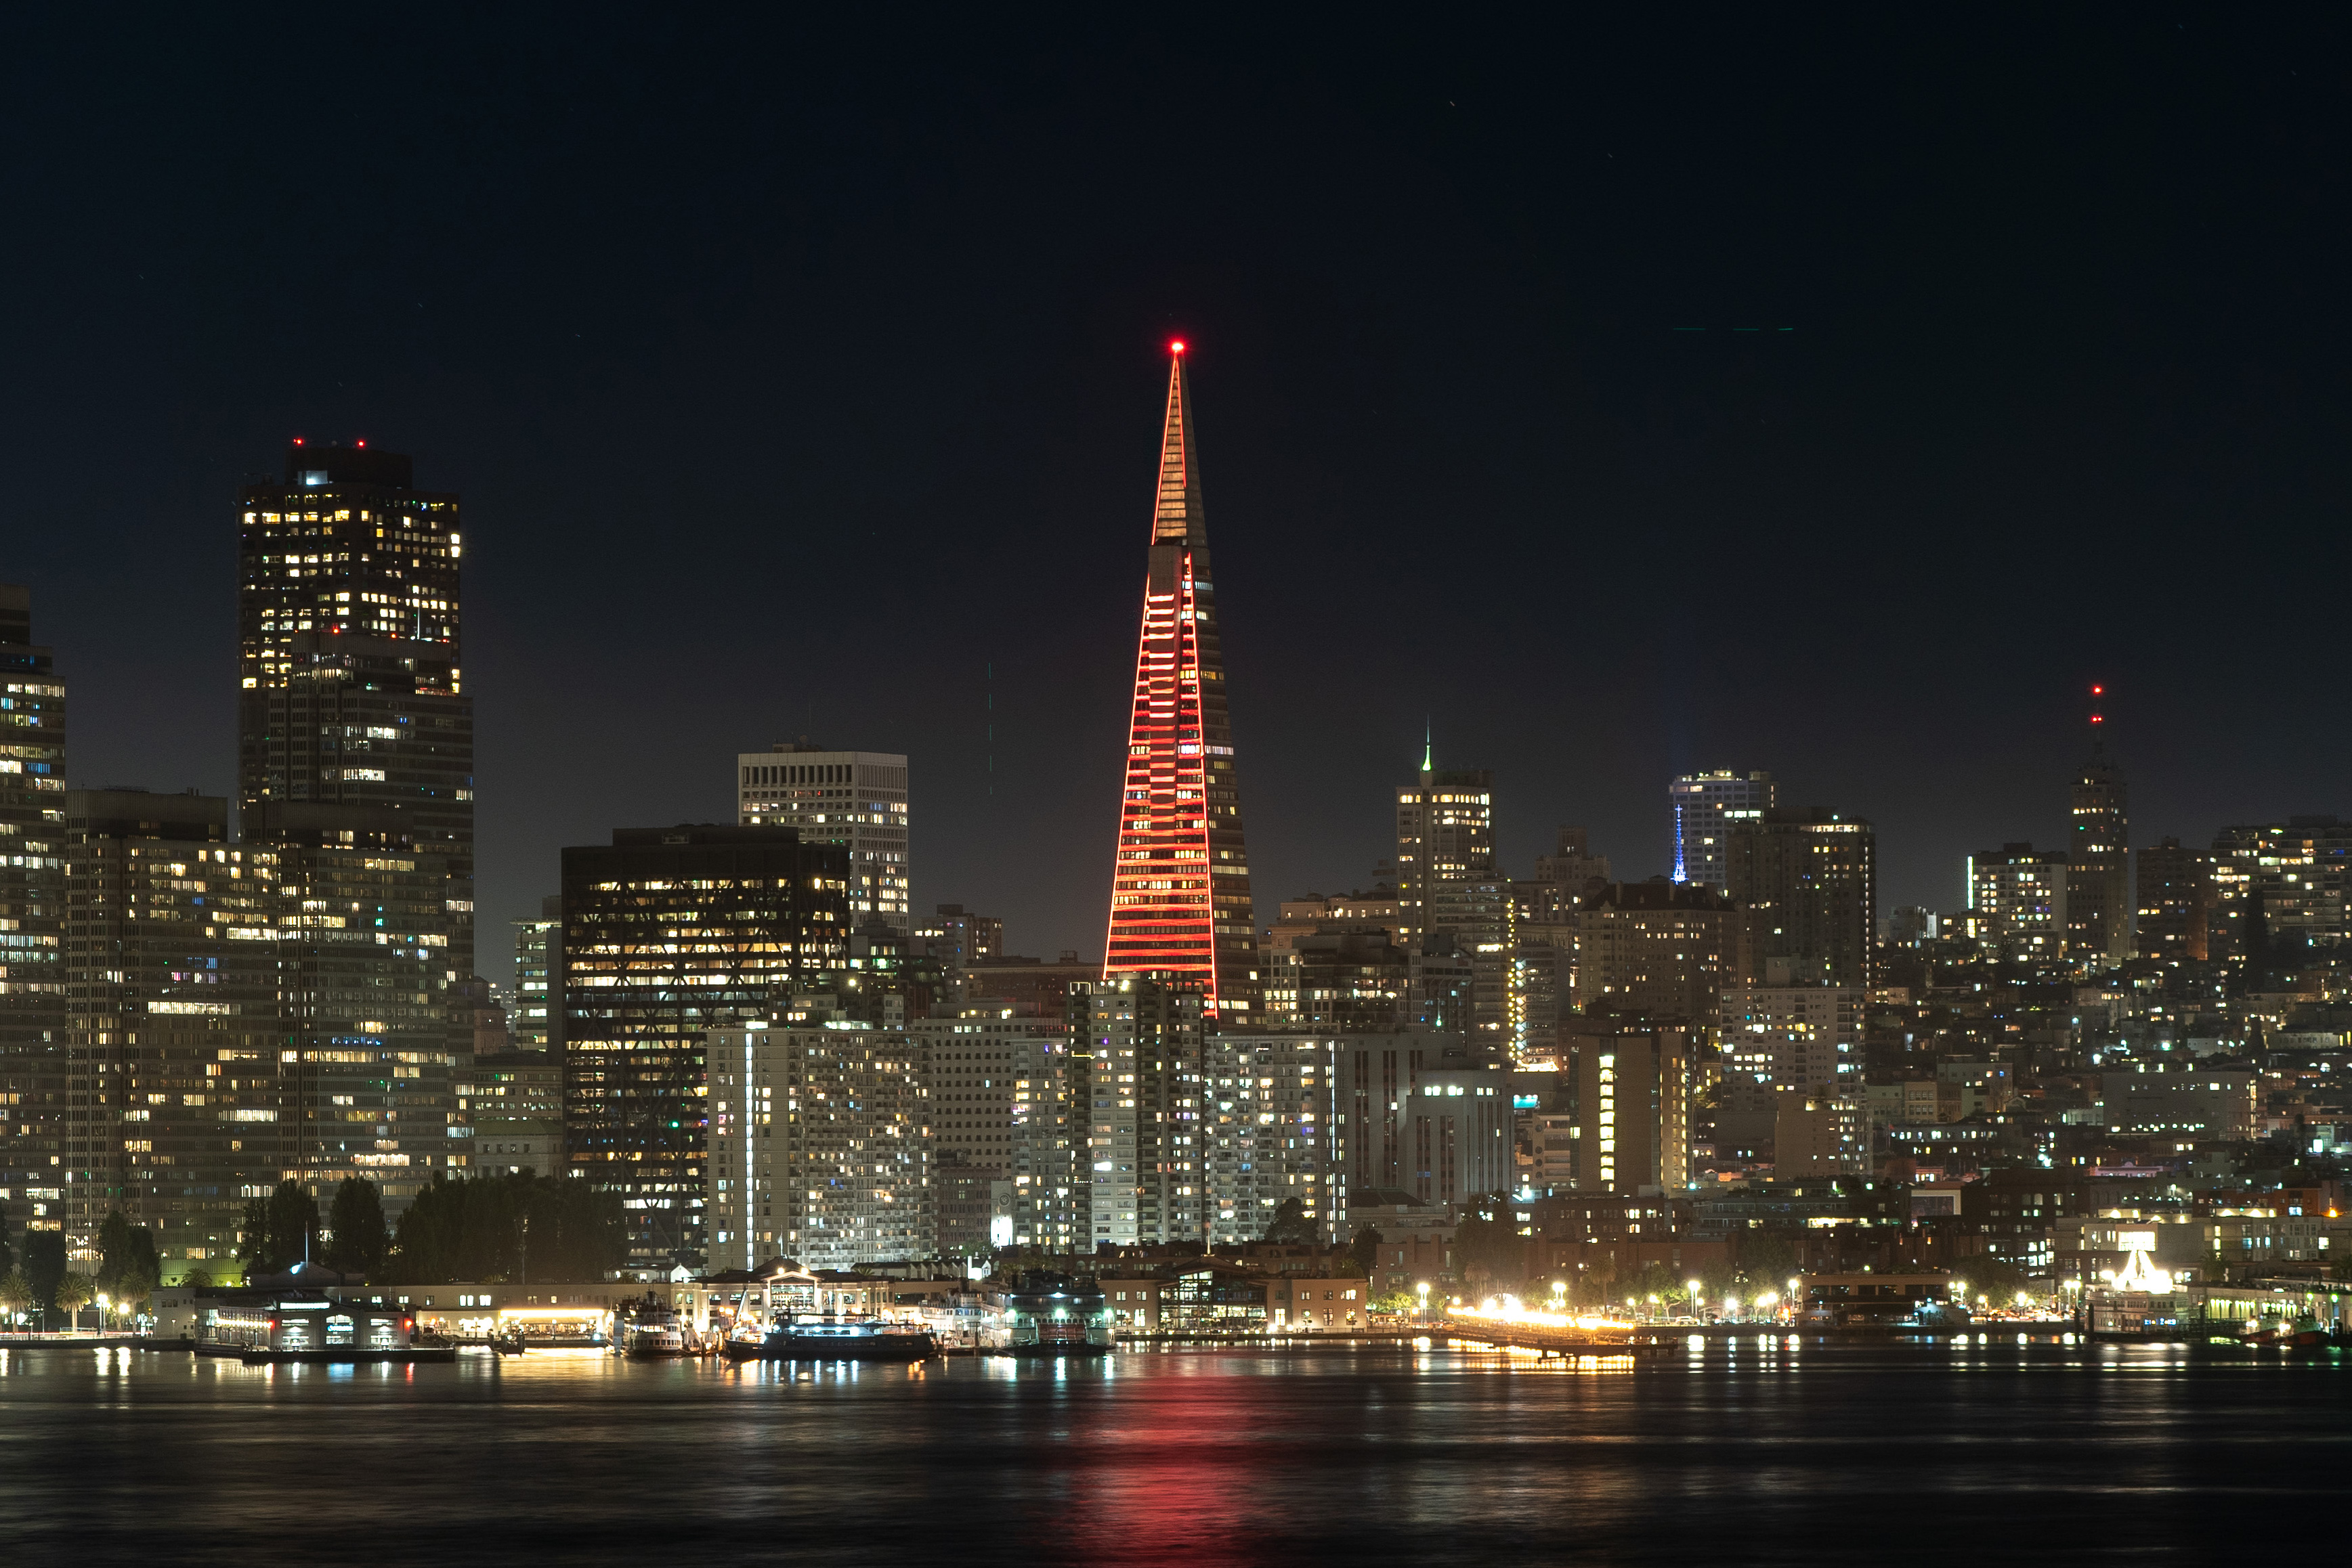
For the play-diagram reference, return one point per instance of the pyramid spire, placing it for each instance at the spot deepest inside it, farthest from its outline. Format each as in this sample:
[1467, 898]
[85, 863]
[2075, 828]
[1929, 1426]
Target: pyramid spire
[1179, 519]
[1180, 905]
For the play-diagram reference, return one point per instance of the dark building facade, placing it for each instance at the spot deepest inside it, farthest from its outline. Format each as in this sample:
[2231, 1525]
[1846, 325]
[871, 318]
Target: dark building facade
[2175, 901]
[172, 959]
[33, 1094]
[668, 932]
[2098, 862]
[1808, 882]
[350, 662]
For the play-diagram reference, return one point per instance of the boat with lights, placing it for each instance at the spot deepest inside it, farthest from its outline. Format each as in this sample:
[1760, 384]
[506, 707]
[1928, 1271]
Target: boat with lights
[811, 1337]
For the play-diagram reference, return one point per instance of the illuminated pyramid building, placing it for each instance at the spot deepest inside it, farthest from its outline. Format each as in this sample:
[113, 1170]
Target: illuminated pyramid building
[1180, 907]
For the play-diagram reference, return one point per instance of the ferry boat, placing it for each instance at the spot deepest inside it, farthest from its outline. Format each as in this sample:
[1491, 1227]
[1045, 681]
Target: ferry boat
[810, 1338]
[655, 1333]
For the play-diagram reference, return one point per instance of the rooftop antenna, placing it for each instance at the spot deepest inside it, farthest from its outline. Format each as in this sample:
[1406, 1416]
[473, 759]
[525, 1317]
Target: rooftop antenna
[1428, 745]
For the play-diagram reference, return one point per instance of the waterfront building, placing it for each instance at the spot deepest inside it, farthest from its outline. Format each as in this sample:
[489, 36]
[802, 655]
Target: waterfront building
[2175, 903]
[1660, 949]
[857, 799]
[178, 1108]
[1180, 905]
[1703, 808]
[537, 1015]
[670, 933]
[33, 1097]
[2018, 897]
[1807, 881]
[2098, 863]
[350, 663]
[1631, 1106]
[818, 1142]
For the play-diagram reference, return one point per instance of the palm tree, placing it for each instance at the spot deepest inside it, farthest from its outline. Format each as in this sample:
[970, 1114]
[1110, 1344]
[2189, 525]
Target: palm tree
[75, 1292]
[15, 1295]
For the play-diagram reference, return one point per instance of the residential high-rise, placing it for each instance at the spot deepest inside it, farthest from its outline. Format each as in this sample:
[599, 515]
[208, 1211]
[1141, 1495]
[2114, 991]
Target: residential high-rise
[1418, 1116]
[351, 663]
[961, 938]
[1269, 1134]
[1136, 1045]
[670, 933]
[1632, 1110]
[1659, 949]
[2175, 903]
[1805, 1038]
[1180, 906]
[819, 1145]
[853, 799]
[179, 1112]
[2018, 901]
[2298, 872]
[538, 1015]
[1705, 807]
[2098, 862]
[1808, 882]
[1003, 1115]
[33, 1092]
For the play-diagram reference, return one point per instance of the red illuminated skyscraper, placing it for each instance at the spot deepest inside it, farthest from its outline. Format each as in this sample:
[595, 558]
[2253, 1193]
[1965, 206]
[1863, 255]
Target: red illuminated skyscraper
[1180, 906]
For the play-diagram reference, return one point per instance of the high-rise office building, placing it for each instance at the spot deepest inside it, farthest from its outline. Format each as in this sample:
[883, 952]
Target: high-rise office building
[2175, 901]
[178, 1112]
[350, 664]
[1446, 833]
[1809, 883]
[536, 1017]
[819, 1145]
[1180, 906]
[364, 928]
[33, 1091]
[670, 933]
[1137, 1046]
[1704, 808]
[961, 938]
[2017, 901]
[853, 799]
[2098, 862]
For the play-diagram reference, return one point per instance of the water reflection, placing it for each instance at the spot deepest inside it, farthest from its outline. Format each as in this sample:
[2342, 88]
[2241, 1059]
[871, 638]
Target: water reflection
[1762, 1446]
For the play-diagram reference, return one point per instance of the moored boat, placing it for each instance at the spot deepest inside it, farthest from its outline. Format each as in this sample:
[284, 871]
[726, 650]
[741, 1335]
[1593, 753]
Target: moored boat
[808, 1338]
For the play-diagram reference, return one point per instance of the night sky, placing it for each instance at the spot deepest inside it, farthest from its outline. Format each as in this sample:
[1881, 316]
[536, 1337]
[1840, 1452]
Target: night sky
[795, 380]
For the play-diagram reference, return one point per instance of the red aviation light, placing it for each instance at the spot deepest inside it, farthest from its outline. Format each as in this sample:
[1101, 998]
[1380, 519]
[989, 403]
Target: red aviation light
[2098, 691]
[1176, 346]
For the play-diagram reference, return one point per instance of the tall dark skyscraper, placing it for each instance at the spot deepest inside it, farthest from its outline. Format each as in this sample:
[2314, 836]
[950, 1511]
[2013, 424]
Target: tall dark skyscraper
[1809, 883]
[1180, 906]
[2098, 861]
[350, 661]
[33, 1091]
[667, 934]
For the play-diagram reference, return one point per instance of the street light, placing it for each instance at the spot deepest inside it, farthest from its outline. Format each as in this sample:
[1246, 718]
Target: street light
[1424, 1288]
[1697, 1302]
